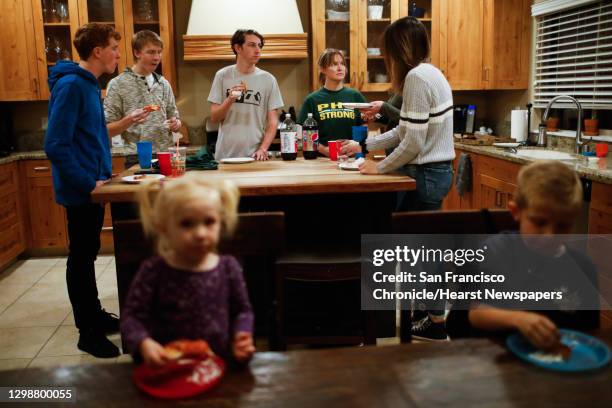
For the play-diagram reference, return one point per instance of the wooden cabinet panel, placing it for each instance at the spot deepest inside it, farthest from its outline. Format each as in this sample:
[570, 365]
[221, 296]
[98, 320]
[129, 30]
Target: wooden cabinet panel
[507, 37]
[461, 43]
[600, 214]
[12, 243]
[8, 178]
[12, 239]
[494, 193]
[18, 74]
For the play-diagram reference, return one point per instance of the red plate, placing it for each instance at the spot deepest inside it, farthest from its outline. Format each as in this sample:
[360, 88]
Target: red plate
[180, 379]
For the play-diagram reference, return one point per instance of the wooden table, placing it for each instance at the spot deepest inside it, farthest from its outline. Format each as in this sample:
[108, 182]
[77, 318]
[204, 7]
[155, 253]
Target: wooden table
[276, 178]
[464, 373]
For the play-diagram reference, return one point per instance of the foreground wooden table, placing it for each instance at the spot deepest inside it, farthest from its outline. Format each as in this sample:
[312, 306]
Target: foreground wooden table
[278, 177]
[474, 372]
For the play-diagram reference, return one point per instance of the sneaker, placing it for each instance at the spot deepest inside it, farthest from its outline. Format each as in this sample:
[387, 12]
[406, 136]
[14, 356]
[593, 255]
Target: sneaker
[418, 315]
[427, 330]
[108, 322]
[95, 343]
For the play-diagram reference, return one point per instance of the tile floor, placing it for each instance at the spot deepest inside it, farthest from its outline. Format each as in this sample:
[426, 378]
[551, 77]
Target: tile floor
[36, 324]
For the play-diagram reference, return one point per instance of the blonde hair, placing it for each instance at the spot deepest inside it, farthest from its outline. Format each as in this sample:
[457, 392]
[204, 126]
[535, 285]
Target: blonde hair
[160, 201]
[549, 183]
[326, 59]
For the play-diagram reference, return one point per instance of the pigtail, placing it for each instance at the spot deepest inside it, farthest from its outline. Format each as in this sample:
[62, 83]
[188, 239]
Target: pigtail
[230, 196]
[147, 197]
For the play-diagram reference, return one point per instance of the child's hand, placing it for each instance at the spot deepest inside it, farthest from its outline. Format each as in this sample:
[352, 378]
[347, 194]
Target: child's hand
[152, 352]
[538, 329]
[243, 346]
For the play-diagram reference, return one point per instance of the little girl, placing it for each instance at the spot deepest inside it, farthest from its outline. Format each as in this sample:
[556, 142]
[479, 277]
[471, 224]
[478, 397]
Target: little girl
[188, 291]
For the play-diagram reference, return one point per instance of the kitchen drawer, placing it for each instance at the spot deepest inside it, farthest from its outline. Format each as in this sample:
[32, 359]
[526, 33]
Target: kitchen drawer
[9, 212]
[37, 168]
[8, 179]
[12, 243]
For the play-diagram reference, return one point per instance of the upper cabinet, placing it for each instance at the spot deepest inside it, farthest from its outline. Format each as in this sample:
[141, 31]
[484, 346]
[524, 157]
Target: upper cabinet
[38, 33]
[356, 27]
[18, 74]
[485, 44]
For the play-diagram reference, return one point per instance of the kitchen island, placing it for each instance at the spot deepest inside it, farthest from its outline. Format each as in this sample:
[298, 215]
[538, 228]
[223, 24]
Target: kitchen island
[325, 209]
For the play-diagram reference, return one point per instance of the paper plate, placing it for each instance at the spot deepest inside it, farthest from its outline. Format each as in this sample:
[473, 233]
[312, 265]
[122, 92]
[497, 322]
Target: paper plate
[351, 166]
[506, 144]
[139, 178]
[237, 160]
[180, 379]
[356, 105]
[588, 353]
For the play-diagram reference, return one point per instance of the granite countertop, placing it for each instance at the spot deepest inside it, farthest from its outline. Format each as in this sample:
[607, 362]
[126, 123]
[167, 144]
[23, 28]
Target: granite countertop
[596, 170]
[40, 154]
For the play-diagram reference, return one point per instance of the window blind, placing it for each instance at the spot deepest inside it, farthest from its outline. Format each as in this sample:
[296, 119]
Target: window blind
[574, 56]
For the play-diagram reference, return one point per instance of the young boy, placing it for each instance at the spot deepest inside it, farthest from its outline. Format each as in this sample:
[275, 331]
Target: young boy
[546, 204]
[77, 144]
[244, 100]
[137, 87]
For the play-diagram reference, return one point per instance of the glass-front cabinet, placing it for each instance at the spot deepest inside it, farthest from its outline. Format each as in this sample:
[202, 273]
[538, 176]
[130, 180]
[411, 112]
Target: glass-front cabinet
[356, 27]
[55, 22]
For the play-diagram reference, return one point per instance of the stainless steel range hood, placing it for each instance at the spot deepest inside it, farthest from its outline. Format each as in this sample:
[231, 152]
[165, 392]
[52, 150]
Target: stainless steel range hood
[212, 23]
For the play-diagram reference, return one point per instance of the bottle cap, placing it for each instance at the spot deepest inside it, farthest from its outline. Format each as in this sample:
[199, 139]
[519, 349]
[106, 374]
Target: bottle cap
[310, 115]
[288, 116]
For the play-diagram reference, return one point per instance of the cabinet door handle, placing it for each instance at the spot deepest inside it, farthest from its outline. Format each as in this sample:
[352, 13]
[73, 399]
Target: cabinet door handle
[355, 80]
[107, 229]
[498, 199]
[41, 168]
[362, 81]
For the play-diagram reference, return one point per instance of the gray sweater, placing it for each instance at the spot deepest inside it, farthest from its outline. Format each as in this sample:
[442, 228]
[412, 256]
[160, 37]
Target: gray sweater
[425, 131]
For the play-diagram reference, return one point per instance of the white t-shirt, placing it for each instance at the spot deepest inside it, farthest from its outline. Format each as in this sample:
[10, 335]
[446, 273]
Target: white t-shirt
[243, 129]
[150, 81]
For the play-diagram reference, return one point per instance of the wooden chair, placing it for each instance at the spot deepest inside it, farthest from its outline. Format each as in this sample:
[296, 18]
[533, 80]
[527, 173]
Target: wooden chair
[318, 300]
[258, 239]
[448, 222]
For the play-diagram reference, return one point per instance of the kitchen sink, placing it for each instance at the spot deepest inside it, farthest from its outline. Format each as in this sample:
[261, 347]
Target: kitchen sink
[543, 154]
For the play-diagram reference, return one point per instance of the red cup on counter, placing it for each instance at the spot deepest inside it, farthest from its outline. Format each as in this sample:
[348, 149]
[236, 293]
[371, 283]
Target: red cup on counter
[334, 148]
[165, 167]
[601, 149]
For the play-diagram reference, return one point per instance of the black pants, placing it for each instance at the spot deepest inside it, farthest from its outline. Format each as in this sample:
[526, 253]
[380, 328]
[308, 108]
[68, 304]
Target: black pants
[84, 227]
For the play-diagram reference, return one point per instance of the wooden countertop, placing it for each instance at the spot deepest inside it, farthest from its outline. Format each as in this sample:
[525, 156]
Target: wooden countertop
[461, 373]
[278, 177]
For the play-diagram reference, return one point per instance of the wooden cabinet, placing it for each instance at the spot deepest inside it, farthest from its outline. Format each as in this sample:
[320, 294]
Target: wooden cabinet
[38, 33]
[356, 27]
[600, 213]
[485, 44]
[493, 184]
[12, 239]
[46, 218]
[18, 74]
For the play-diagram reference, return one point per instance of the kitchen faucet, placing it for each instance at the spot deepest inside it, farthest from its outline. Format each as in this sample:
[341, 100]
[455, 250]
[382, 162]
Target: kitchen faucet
[579, 144]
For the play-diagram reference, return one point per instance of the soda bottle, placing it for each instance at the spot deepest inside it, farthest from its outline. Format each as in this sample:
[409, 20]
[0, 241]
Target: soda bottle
[288, 136]
[310, 137]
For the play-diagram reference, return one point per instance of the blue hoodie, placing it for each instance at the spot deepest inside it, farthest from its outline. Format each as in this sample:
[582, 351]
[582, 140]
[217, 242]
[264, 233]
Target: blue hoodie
[76, 141]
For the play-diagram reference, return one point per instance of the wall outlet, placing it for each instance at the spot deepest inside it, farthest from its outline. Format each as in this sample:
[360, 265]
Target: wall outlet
[44, 121]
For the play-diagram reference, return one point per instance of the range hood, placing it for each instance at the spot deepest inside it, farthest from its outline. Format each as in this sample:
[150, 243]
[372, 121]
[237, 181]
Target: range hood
[212, 23]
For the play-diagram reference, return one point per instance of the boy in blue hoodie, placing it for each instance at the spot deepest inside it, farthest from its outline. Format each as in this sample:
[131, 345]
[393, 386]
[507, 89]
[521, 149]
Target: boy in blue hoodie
[77, 144]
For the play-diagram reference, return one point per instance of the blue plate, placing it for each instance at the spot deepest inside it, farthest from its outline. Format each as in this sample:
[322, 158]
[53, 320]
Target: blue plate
[588, 353]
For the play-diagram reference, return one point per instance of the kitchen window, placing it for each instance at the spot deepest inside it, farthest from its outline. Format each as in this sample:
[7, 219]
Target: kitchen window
[573, 52]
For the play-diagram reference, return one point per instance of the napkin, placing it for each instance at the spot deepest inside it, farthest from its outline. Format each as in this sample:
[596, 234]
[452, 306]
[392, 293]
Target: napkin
[202, 160]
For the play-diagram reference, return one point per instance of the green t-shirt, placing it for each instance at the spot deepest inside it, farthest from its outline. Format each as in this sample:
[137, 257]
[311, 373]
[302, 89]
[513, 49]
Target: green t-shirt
[335, 121]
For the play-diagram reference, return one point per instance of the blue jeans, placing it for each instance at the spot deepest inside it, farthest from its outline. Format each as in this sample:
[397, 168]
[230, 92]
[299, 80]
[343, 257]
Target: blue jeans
[433, 182]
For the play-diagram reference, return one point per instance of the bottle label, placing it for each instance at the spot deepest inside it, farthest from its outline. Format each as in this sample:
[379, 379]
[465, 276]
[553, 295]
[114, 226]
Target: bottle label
[311, 140]
[288, 142]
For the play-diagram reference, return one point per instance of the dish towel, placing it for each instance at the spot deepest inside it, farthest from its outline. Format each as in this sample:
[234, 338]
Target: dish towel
[464, 174]
[202, 160]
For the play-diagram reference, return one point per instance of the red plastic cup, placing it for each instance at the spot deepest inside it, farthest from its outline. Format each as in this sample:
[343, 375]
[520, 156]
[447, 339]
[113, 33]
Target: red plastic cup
[165, 167]
[601, 149]
[333, 146]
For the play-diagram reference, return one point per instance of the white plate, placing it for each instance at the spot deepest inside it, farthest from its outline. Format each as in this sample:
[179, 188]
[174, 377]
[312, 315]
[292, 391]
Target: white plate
[352, 166]
[506, 144]
[356, 105]
[138, 178]
[237, 160]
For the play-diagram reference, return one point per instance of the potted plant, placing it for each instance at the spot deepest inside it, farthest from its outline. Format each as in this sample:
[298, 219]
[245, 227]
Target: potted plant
[591, 126]
[552, 123]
